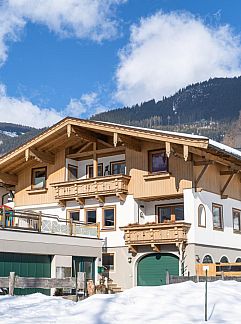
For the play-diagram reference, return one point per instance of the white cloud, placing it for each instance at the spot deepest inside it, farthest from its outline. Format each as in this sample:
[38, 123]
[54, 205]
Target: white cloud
[92, 19]
[87, 105]
[22, 111]
[168, 51]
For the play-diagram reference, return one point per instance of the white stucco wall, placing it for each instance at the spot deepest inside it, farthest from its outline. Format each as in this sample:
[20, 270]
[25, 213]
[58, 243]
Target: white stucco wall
[207, 235]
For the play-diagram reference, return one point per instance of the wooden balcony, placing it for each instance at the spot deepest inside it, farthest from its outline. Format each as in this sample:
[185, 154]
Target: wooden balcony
[31, 221]
[154, 235]
[98, 187]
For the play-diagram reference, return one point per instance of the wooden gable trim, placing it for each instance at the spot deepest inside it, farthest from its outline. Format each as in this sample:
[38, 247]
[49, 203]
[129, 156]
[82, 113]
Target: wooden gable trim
[44, 157]
[11, 179]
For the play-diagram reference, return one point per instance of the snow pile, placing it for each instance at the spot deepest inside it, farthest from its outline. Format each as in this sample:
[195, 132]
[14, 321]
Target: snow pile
[179, 303]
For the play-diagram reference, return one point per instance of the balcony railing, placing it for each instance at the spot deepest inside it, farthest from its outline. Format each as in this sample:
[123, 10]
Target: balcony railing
[155, 234]
[85, 188]
[49, 224]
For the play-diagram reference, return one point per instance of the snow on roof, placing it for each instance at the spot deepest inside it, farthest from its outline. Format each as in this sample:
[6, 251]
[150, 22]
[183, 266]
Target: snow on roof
[177, 303]
[219, 146]
[179, 134]
[225, 148]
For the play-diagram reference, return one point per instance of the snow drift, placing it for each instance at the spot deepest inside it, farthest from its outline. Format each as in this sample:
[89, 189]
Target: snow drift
[177, 303]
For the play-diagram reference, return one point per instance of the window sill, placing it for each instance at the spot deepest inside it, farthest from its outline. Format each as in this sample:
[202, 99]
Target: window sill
[156, 176]
[36, 191]
[111, 229]
[218, 229]
[237, 232]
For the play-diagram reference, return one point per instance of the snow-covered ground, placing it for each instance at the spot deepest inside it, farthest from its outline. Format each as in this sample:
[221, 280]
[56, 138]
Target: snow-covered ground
[178, 303]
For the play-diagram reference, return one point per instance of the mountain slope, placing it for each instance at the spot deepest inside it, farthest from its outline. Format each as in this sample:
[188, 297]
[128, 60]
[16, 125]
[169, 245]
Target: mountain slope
[13, 135]
[217, 99]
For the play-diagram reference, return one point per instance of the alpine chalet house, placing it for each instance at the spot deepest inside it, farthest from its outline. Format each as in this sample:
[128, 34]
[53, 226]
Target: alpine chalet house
[159, 201]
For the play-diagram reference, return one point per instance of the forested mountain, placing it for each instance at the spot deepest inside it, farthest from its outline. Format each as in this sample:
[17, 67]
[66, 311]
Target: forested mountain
[216, 99]
[13, 135]
[209, 108]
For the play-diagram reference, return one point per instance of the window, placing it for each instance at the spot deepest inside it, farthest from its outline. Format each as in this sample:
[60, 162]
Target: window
[72, 172]
[158, 161]
[118, 167]
[39, 177]
[238, 260]
[90, 170]
[109, 218]
[236, 220]
[224, 259]
[207, 259]
[170, 213]
[90, 216]
[201, 216]
[108, 261]
[74, 215]
[217, 216]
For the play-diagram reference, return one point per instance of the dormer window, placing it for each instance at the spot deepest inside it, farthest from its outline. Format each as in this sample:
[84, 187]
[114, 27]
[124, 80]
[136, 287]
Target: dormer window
[158, 161]
[39, 176]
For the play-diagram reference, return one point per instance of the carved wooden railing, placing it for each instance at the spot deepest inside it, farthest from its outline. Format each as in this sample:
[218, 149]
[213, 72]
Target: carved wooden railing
[155, 234]
[84, 188]
[43, 223]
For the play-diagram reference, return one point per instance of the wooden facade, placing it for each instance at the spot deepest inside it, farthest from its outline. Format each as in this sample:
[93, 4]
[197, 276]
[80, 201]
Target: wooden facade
[192, 163]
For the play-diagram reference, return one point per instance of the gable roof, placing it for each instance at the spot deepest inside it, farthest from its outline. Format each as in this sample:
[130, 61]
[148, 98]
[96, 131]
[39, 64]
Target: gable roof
[56, 137]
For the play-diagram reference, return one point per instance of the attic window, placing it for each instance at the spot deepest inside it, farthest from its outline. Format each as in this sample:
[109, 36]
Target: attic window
[39, 177]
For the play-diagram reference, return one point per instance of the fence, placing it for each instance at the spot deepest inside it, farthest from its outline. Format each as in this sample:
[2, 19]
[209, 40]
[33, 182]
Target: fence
[13, 281]
[170, 279]
[44, 223]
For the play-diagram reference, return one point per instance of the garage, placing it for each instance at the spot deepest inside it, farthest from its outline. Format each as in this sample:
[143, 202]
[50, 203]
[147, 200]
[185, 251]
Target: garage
[26, 265]
[151, 269]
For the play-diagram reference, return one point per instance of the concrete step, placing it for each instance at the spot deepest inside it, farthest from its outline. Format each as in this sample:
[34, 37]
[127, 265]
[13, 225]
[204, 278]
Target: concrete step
[117, 290]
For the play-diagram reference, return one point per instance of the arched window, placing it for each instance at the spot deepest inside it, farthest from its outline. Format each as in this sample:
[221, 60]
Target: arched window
[201, 216]
[224, 259]
[238, 260]
[207, 259]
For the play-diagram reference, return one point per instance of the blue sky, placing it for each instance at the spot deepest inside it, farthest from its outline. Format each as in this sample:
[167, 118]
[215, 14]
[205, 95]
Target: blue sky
[79, 57]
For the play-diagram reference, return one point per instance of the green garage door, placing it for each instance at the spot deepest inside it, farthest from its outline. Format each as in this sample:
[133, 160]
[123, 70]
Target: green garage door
[26, 265]
[151, 269]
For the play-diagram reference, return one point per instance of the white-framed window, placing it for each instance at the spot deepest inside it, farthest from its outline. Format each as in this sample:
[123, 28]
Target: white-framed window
[201, 216]
[236, 220]
[207, 259]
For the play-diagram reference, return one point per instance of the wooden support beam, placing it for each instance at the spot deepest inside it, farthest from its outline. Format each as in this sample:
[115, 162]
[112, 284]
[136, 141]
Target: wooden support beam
[228, 172]
[84, 147]
[104, 143]
[202, 162]
[226, 185]
[62, 203]
[106, 151]
[168, 149]
[11, 179]
[27, 154]
[121, 196]
[80, 201]
[101, 199]
[132, 249]
[185, 152]
[128, 141]
[95, 161]
[69, 130]
[156, 248]
[201, 175]
[84, 134]
[45, 157]
[212, 157]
